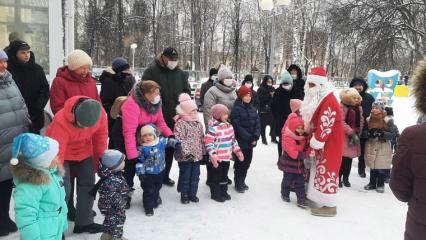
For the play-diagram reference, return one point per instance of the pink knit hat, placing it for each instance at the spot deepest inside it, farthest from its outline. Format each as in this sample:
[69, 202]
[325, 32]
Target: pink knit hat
[295, 104]
[186, 104]
[218, 110]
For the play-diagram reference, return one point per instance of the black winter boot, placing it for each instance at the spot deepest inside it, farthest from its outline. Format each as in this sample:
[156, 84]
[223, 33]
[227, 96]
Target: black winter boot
[224, 191]
[346, 182]
[216, 193]
[184, 198]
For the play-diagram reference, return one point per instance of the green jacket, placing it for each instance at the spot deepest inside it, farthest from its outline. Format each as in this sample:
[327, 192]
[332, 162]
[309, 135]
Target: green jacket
[172, 83]
[40, 208]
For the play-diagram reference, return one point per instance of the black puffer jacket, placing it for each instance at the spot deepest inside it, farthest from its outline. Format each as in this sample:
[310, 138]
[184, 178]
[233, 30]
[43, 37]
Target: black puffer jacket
[265, 97]
[246, 124]
[281, 106]
[367, 99]
[114, 85]
[32, 83]
[299, 83]
[13, 121]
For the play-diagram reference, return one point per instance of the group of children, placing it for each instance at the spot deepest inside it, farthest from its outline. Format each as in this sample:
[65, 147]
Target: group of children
[229, 135]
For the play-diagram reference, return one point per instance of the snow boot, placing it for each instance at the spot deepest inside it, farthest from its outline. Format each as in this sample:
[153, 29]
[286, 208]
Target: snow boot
[285, 198]
[302, 203]
[369, 187]
[149, 212]
[106, 236]
[346, 182]
[224, 191]
[340, 184]
[184, 198]
[380, 189]
[216, 193]
[229, 181]
[324, 211]
[90, 228]
[194, 199]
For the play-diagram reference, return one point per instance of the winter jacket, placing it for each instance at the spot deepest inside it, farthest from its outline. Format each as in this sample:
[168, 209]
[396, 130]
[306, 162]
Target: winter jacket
[408, 179]
[204, 88]
[77, 144]
[172, 83]
[280, 107]
[219, 93]
[378, 151]
[113, 191]
[114, 85]
[134, 113]
[220, 140]
[191, 134]
[40, 208]
[67, 84]
[299, 83]
[152, 158]
[246, 124]
[31, 81]
[291, 161]
[14, 120]
[367, 100]
[254, 95]
[351, 151]
[265, 98]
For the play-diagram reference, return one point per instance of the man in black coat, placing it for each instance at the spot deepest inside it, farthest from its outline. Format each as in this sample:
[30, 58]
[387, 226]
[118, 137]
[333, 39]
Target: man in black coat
[31, 81]
[116, 81]
[367, 101]
[208, 84]
[298, 82]
[173, 81]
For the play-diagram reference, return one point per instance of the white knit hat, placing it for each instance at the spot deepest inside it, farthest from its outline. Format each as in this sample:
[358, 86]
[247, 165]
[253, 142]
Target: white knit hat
[78, 58]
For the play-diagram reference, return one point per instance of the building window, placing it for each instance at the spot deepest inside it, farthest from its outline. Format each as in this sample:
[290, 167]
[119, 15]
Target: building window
[30, 19]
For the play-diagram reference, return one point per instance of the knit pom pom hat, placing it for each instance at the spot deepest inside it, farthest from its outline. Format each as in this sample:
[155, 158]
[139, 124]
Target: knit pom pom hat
[218, 110]
[77, 59]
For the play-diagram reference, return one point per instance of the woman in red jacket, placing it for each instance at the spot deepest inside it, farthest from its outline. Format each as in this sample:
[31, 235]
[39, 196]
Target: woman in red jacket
[82, 131]
[72, 80]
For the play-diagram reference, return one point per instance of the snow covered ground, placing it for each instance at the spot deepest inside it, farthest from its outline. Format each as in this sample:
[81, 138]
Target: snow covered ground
[261, 214]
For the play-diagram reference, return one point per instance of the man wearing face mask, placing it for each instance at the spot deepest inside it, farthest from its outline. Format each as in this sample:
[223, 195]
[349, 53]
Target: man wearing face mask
[208, 84]
[298, 82]
[280, 105]
[173, 81]
[73, 79]
[116, 81]
[249, 83]
[31, 81]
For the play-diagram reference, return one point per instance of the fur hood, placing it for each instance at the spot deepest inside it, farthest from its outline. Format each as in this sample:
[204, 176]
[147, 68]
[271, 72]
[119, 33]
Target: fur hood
[419, 87]
[137, 94]
[26, 174]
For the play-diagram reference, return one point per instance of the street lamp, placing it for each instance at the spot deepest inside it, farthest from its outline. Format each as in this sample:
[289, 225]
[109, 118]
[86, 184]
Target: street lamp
[268, 5]
[133, 46]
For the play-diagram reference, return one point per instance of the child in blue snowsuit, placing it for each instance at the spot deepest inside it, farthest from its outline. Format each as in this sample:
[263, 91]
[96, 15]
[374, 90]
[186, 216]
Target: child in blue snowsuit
[151, 164]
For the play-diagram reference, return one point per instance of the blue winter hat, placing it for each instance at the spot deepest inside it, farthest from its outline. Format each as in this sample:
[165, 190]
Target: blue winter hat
[37, 150]
[112, 159]
[3, 55]
[286, 78]
[120, 64]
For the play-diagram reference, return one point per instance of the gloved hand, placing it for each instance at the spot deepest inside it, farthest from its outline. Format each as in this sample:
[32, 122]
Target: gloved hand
[379, 133]
[354, 139]
[214, 161]
[173, 142]
[372, 133]
[190, 158]
[240, 155]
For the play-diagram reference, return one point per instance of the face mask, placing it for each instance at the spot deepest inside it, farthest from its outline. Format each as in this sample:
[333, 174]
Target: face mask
[294, 76]
[248, 85]
[286, 87]
[269, 84]
[214, 78]
[156, 100]
[172, 64]
[228, 82]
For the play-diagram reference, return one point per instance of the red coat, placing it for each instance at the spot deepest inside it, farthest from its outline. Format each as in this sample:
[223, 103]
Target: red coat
[77, 144]
[67, 84]
[327, 139]
[291, 143]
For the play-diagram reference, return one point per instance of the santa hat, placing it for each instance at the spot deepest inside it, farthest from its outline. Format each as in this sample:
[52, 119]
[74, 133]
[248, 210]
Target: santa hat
[295, 104]
[318, 76]
[218, 110]
[38, 151]
[77, 59]
[243, 91]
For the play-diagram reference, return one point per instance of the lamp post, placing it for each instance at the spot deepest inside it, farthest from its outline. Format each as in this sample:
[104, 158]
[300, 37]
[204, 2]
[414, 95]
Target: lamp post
[133, 46]
[270, 5]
